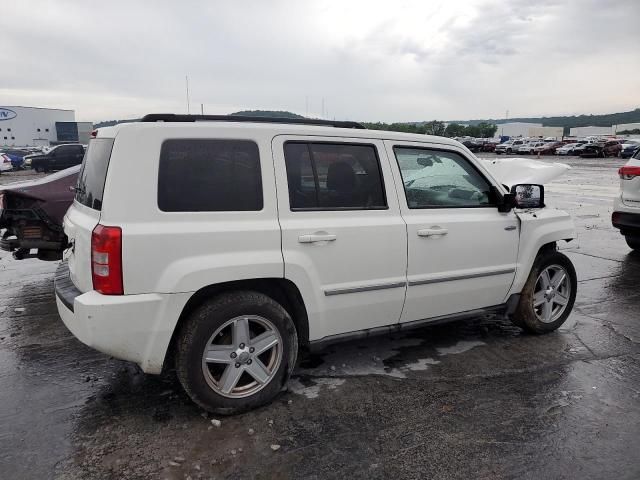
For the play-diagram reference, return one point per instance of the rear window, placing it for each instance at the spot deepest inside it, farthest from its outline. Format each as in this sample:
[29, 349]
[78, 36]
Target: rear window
[333, 176]
[90, 186]
[209, 176]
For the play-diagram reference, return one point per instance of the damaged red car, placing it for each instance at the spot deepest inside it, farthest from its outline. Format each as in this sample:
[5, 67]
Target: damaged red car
[31, 214]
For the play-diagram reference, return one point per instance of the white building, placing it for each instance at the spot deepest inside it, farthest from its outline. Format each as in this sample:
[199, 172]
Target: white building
[516, 129]
[29, 126]
[546, 132]
[626, 126]
[589, 131]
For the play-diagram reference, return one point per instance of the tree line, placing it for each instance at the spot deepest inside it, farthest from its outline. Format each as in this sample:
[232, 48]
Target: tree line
[605, 120]
[436, 127]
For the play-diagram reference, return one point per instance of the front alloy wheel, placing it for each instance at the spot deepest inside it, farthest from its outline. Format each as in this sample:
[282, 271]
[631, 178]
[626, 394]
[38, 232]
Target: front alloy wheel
[548, 295]
[551, 293]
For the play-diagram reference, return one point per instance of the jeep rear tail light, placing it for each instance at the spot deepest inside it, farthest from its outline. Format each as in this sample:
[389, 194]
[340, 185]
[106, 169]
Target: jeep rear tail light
[106, 260]
[629, 172]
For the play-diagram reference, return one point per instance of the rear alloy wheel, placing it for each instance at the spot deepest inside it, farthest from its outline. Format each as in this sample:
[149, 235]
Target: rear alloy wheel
[633, 242]
[549, 294]
[236, 352]
[234, 364]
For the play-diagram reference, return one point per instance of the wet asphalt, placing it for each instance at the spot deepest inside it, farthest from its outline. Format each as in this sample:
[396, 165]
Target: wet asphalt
[473, 399]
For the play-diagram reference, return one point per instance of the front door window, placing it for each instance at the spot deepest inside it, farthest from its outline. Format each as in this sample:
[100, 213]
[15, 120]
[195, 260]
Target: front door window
[441, 179]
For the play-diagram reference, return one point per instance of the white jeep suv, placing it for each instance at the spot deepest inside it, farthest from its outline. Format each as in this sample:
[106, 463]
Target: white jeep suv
[626, 206]
[222, 245]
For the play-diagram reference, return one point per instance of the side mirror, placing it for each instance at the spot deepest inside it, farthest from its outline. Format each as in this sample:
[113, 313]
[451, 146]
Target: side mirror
[527, 195]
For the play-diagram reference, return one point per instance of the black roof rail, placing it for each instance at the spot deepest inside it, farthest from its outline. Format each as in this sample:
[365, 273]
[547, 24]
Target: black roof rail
[172, 117]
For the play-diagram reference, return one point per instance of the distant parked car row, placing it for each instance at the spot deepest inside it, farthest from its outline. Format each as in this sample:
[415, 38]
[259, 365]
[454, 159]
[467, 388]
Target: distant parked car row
[42, 159]
[609, 148]
[629, 148]
[582, 148]
[13, 158]
[479, 145]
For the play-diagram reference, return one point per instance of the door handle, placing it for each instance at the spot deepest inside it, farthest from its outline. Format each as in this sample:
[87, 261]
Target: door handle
[317, 237]
[432, 232]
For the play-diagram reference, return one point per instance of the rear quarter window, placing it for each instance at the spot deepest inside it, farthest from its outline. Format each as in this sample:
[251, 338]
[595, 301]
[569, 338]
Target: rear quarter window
[201, 175]
[90, 187]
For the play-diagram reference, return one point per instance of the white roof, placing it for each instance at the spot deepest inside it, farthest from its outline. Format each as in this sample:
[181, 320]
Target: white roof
[281, 129]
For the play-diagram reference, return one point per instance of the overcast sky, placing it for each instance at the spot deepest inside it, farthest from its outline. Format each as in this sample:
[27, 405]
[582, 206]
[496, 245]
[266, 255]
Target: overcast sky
[369, 60]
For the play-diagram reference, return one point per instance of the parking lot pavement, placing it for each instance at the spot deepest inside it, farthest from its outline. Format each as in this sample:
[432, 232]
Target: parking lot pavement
[474, 399]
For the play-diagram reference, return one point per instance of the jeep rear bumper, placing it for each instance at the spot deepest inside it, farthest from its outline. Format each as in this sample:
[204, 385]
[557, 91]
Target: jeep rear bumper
[137, 328]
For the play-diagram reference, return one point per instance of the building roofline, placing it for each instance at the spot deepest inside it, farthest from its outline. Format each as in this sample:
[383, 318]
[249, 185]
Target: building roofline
[37, 108]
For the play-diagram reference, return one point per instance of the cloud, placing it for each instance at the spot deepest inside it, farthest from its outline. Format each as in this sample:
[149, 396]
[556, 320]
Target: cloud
[369, 60]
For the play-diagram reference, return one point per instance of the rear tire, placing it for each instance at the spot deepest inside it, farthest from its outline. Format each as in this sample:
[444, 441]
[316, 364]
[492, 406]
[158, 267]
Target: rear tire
[633, 242]
[218, 354]
[549, 294]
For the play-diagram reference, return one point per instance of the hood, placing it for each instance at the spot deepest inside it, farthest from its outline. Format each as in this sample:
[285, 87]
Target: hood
[511, 171]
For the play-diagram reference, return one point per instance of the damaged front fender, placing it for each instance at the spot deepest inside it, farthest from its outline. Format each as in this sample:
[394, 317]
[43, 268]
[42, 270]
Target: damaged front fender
[539, 227]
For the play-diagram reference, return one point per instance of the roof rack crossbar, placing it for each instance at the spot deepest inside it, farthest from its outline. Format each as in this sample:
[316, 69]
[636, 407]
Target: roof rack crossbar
[172, 117]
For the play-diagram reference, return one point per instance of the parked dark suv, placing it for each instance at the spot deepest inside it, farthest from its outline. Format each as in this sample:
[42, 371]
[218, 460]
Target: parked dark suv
[58, 158]
[610, 148]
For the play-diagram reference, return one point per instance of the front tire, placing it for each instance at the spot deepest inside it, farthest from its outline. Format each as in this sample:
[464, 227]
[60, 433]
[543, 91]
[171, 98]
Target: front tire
[236, 352]
[549, 294]
[633, 242]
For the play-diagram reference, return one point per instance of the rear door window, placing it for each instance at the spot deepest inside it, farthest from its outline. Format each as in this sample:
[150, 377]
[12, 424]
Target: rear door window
[201, 175]
[333, 176]
[93, 174]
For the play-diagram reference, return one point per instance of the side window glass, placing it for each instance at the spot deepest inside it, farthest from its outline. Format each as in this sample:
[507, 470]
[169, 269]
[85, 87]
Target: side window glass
[209, 176]
[333, 176]
[435, 178]
[303, 193]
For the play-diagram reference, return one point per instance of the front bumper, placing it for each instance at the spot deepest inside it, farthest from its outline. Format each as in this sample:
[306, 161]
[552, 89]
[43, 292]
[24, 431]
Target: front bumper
[137, 328]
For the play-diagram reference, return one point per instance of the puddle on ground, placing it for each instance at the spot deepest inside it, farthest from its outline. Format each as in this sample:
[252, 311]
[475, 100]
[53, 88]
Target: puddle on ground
[460, 347]
[375, 357]
[315, 386]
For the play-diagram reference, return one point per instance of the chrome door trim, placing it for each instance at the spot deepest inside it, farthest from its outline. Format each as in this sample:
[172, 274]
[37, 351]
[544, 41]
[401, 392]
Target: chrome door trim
[365, 288]
[502, 271]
